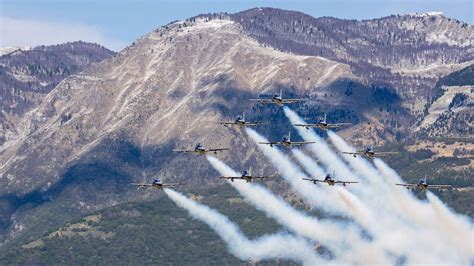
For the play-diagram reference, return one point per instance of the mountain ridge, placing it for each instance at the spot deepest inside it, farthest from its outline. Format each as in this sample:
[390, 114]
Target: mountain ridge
[26, 76]
[117, 121]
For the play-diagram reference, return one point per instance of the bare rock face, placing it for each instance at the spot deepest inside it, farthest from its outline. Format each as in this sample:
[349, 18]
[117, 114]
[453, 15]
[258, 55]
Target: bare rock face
[118, 120]
[406, 52]
[130, 111]
[27, 75]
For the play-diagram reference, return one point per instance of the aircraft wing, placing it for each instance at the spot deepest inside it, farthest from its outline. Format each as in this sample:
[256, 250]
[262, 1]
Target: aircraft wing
[384, 154]
[224, 123]
[336, 125]
[346, 182]
[264, 177]
[217, 150]
[313, 180]
[262, 101]
[270, 143]
[306, 125]
[141, 185]
[172, 185]
[256, 123]
[354, 153]
[231, 177]
[293, 100]
[439, 186]
[407, 185]
[185, 151]
[301, 143]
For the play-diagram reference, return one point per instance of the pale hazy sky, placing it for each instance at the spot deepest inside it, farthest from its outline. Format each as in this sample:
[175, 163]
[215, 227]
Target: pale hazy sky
[116, 24]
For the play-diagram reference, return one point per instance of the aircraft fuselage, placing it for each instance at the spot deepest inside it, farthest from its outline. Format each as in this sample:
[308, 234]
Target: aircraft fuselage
[200, 151]
[329, 182]
[287, 144]
[369, 154]
[157, 185]
[240, 123]
[323, 125]
[277, 100]
[423, 186]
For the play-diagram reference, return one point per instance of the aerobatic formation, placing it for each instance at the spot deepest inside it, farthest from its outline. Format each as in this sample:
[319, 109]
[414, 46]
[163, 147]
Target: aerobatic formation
[382, 223]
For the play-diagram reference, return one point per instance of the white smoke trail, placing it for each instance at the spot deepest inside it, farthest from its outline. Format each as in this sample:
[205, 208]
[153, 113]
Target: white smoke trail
[337, 236]
[360, 165]
[316, 172]
[332, 161]
[293, 175]
[281, 211]
[358, 209]
[393, 217]
[397, 235]
[417, 212]
[309, 165]
[322, 151]
[349, 206]
[370, 175]
[408, 206]
[457, 228]
[266, 247]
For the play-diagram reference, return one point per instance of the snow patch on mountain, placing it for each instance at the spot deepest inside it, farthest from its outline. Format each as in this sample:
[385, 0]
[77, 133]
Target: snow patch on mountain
[441, 105]
[426, 14]
[11, 49]
[432, 70]
[168, 81]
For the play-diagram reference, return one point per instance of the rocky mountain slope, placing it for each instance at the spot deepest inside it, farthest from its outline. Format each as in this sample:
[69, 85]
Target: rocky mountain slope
[123, 114]
[450, 112]
[118, 120]
[406, 52]
[27, 75]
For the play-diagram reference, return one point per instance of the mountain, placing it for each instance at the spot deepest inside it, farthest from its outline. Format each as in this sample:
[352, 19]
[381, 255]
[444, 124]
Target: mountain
[28, 74]
[11, 49]
[114, 122]
[404, 55]
[118, 120]
[450, 110]
[407, 53]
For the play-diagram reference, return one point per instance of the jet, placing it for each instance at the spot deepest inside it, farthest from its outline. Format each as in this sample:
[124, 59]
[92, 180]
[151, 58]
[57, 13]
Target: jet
[286, 142]
[370, 153]
[156, 184]
[330, 181]
[278, 100]
[322, 124]
[199, 149]
[247, 176]
[240, 122]
[423, 185]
